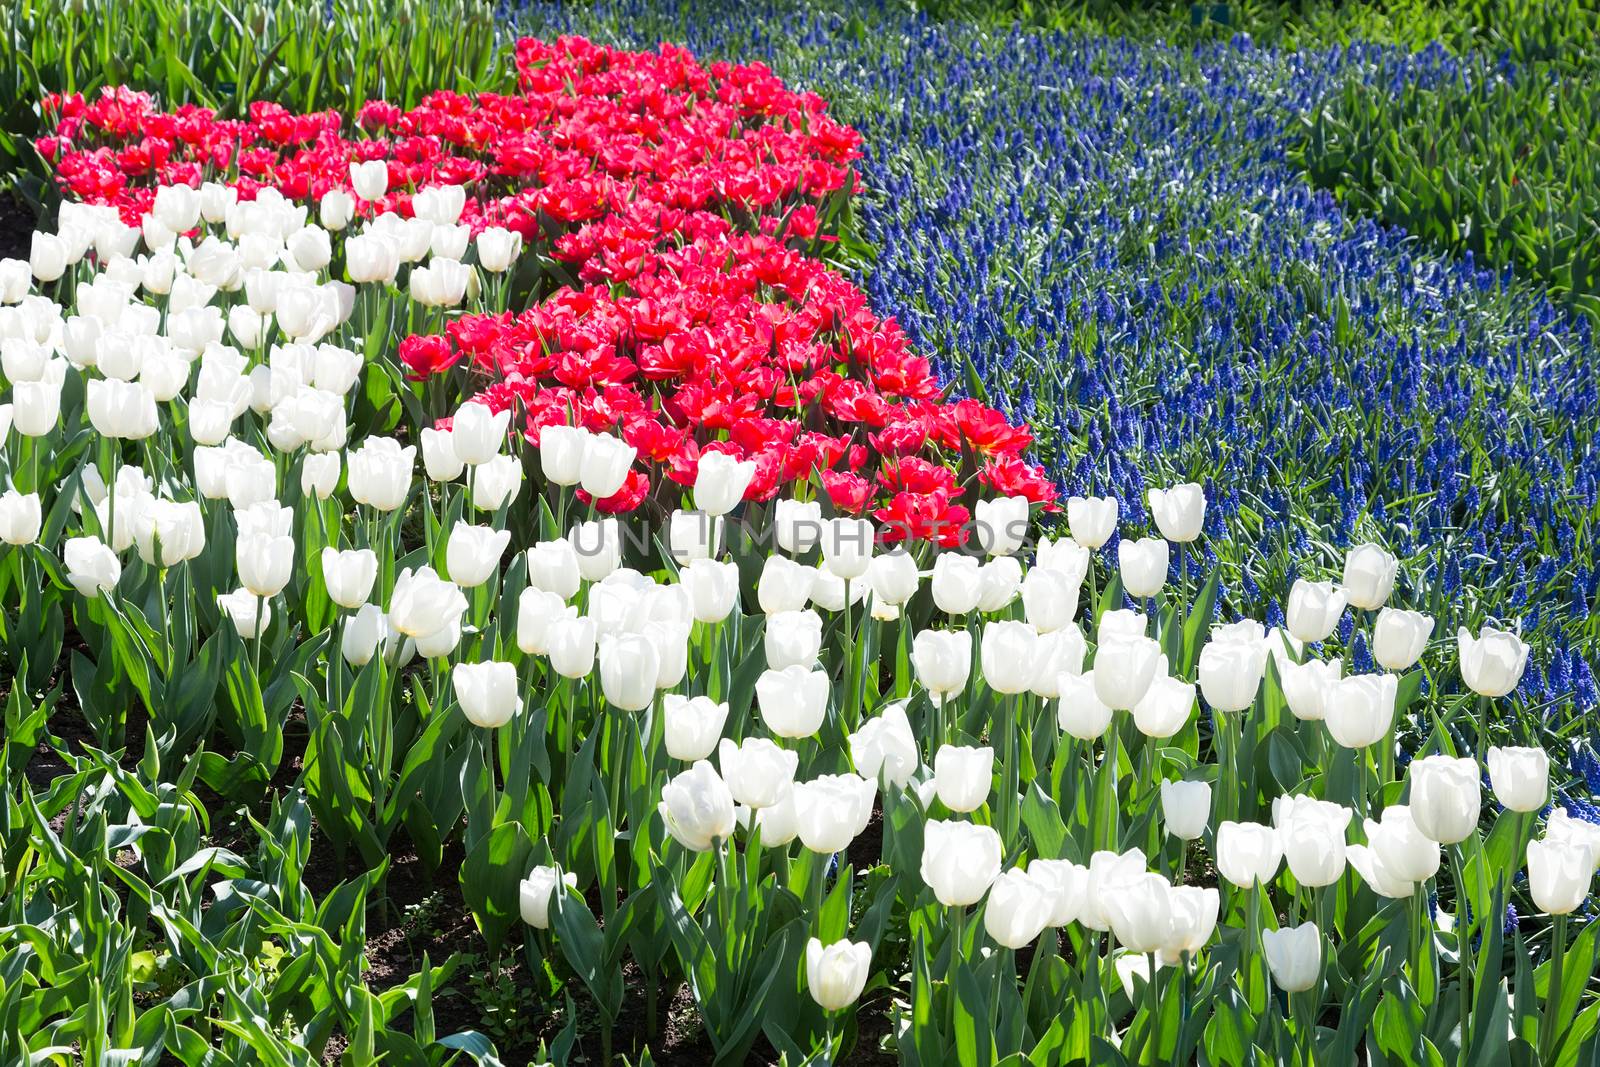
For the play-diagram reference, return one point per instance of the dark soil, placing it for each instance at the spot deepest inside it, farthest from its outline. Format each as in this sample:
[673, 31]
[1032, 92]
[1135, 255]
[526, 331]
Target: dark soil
[16, 227]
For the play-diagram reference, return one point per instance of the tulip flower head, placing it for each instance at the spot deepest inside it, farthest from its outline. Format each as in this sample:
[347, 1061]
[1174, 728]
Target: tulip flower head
[692, 726]
[836, 974]
[1248, 853]
[962, 776]
[1520, 777]
[1092, 520]
[697, 808]
[960, 860]
[1020, 906]
[1399, 638]
[1491, 663]
[1369, 573]
[1143, 565]
[536, 892]
[1294, 956]
[1446, 797]
[884, 748]
[487, 692]
[1185, 808]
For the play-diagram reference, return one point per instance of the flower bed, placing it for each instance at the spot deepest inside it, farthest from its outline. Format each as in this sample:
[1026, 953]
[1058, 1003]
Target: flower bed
[717, 650]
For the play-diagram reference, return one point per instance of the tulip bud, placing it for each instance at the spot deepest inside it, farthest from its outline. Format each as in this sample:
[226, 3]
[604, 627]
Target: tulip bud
[1399, 638]
[1248, 853]
[1520, 776]
[1359, 710]
[1018, 909]
[1561, 828]
[797, 525]
[1312, 833]
[835, 975]
[757, 771]
[477, 433]
[118, 409]
[1194, 920]
[1001, 525]
[1007, 656]
[336, 209]
[629, 664]
[1141, 913]
[472, 553]
[1445, 797]
[1305, 687]
[349, 575]
[1092, 520]
[720, 482]
[487, 692]
[1000, 579]
[692, 726]
[265, 563]
[1314, 610]
[1065, 557]
[697, 808]
[1081, 712]
[943, 659]
[884, 749]
[370, 179]
[962, 776]
[380, 473]
[1143, 565]
[439, 457]
[47, 256]
[535, 892]
[1124, 670]
[1230, 673]
[553, 567]
[598, 544]
[693, 535]
[847, 547]
[1185, 808]
[1558, 876]
[831, 810]
[498, 248]
[1165, 707]
[1400, 852]
[496, 482]
[242, 608]
[1294, 955]
[784, 585]
[605, 465]
[713, 589]
[893, 577]
[1108, 873]
[1057, 653]
[1492, 664]
[793, 700]
[92, 568]
[960, 860]
[423, 604]
[793, 638]
[362, 632]
[561, 451]
[572, 643]
[1369, 574]
[21, 518]
[1065, 883]
[1049, 599]
[1179, 512]
[957, 583]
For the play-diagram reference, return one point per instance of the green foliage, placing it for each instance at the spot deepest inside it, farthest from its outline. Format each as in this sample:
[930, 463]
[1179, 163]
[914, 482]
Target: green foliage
[1501, 166]
[227, 53]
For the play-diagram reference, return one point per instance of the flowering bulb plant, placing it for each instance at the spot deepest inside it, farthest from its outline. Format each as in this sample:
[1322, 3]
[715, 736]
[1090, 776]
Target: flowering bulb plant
[712, 639]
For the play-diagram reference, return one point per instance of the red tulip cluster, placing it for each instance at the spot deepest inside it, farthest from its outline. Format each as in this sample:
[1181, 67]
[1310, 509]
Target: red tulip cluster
[688, 203]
